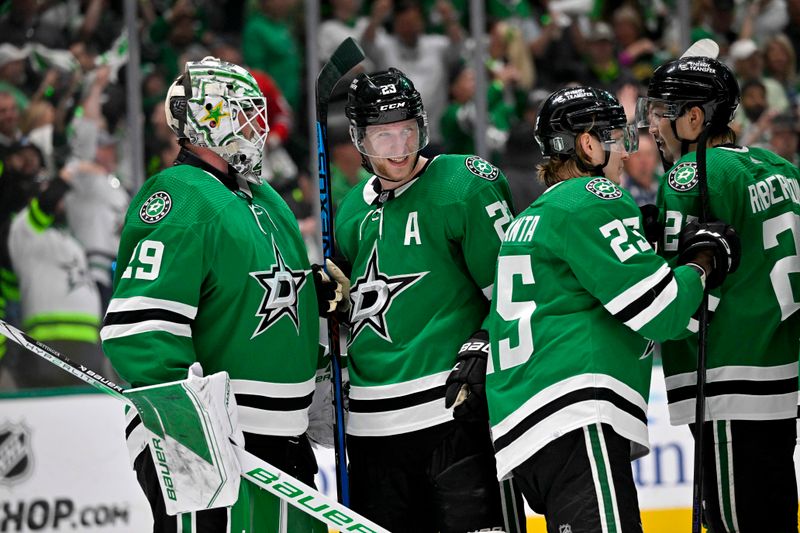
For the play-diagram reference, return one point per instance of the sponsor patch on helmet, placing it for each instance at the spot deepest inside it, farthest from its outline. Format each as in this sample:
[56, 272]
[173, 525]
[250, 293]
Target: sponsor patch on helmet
[604, 188]
[482, 168]
[156, 207]
[683, 177]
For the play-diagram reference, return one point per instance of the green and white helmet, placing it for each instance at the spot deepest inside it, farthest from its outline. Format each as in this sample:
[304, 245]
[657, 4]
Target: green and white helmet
[218, 105]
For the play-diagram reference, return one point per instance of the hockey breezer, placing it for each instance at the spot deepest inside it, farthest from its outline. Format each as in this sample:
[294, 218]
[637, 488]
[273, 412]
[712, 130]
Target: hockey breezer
[346, 56]
[253, 469]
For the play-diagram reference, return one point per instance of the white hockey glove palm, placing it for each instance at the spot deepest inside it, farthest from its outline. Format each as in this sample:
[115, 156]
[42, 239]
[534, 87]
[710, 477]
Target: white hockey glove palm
[321, 415]
[192, 426]
[333, 288]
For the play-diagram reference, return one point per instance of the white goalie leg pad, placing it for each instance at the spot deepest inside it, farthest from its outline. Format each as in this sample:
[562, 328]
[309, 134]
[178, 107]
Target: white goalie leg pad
[192, 428]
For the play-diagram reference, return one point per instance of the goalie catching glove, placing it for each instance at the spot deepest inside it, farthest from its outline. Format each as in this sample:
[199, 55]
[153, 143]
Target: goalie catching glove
[716, 238]
[466, 384]
[333, 288]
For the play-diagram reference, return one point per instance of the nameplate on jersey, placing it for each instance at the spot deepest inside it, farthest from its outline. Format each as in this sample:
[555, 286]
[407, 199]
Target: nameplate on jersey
[482, 168]
[156, 207]
[683, 177]
[604, 188]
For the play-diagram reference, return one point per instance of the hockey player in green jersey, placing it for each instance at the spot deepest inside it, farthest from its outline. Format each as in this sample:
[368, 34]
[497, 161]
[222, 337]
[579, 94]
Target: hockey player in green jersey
[580, 296]
[212, 269]
[751, 388]
[422, 236]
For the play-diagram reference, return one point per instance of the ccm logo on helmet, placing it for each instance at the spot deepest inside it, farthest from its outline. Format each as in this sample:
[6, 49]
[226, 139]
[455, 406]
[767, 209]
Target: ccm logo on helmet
[395, 105]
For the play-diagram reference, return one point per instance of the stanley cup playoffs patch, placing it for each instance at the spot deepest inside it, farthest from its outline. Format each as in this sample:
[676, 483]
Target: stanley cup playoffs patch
[156, 207]
[683, 177]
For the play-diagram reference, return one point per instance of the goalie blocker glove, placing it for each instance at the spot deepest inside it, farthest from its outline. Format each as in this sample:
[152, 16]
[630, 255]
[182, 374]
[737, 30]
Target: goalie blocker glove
[716, 237]
[466, 384]
[333, 288]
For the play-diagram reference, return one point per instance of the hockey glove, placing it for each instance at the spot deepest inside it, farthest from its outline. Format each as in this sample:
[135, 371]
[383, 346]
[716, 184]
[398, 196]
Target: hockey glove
[720, 240]
[466, 384]
[652, 227]
[333, 288]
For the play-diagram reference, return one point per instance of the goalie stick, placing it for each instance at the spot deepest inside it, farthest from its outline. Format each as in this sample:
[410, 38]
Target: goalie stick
[346, 56]
[256, 470]
[704, 48]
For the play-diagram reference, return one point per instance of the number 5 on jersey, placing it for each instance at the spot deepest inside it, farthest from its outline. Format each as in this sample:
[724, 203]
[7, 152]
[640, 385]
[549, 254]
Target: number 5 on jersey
[148, 255]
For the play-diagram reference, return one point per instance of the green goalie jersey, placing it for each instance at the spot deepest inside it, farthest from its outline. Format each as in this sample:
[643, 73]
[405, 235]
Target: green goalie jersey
[578, 293]
[221, 277]
[754, 329]
[423, 261]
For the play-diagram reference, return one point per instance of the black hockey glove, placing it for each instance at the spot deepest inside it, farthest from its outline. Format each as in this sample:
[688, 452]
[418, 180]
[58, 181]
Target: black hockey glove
[333, 288]
[652, 227]
[466, 384]
[716, 237]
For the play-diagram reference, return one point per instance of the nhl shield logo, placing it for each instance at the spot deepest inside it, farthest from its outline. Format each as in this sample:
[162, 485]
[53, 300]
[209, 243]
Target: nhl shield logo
[481, 168]
[683, 177]
[156, 207]
[604, 188]
[15, 454]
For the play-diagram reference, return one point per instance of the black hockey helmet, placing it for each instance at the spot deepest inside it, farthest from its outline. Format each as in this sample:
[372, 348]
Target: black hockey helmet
[691, 81]
[569, 112]
[380, 98]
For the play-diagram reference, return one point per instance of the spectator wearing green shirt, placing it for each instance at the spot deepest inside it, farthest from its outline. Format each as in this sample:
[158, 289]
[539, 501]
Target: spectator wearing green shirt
[269, 44]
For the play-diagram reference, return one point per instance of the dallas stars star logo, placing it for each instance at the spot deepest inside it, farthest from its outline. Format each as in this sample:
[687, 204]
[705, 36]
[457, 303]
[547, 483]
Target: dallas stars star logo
[372, 296]
[214, 114]
[281, 286]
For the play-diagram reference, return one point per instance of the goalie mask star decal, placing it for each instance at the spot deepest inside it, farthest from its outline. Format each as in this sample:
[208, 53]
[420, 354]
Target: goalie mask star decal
[372, 295]
[281, 286]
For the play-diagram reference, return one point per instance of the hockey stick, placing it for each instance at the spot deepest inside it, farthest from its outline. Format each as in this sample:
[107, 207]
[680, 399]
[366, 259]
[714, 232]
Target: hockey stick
[253, 469]
[704, 48]
[346, 56]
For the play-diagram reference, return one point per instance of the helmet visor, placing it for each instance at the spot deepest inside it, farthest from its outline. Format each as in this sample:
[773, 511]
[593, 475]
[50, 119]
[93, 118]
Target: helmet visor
[625, 139]
[397, 139]
[650, 110]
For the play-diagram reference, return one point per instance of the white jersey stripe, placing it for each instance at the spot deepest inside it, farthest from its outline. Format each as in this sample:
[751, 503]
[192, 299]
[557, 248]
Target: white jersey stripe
[273, 390]
[737, 407]
[395, 390]
[731, 372]
[637, 290]
[381, 424]
[140, 303]
[123, 330]
[561, 388]
[279, 423]
[666, 297]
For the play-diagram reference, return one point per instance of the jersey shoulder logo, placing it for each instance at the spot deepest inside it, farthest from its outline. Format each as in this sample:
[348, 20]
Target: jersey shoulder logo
[683, 177]
[604, 188]
[156, 207]
[372, 295]
[281, 286]
[482, 168]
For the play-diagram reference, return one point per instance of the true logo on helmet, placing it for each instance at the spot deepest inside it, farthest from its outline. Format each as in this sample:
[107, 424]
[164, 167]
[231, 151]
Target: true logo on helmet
[481, 168]
[683, 177]
[156, 207]
[604, 188]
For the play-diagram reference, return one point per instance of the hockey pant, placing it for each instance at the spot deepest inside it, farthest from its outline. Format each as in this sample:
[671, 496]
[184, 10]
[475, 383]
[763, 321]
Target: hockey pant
[749, 483]
[582, 482]
[438, 479]
[256, 510]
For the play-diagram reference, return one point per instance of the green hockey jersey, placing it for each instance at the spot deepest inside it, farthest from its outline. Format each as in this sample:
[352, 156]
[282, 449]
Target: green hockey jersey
[423, 261]
[221, 277]
[753, 335]
[578, 293]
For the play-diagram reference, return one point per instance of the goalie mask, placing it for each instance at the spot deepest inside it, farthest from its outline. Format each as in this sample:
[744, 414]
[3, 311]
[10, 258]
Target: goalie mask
[569, 112]
[218, 105]
[381, 99]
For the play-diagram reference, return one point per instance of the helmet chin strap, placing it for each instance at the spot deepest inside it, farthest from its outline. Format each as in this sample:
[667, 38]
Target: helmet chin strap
[594, 170]
[685, 143]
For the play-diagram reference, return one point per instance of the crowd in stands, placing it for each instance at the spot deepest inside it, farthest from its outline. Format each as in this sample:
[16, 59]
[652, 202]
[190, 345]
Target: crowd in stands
[64, 164]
